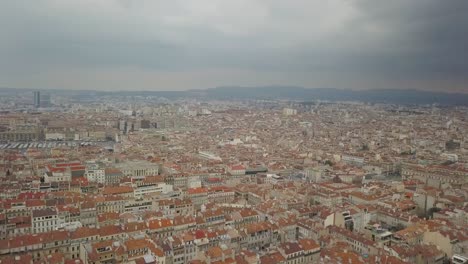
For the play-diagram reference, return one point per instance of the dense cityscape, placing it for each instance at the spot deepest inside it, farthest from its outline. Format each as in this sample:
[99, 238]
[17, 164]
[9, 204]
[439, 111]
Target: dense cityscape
[143, 179]
[233, 132]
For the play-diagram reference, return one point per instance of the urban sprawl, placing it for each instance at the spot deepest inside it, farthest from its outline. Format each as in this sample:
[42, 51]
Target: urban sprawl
[135, 179]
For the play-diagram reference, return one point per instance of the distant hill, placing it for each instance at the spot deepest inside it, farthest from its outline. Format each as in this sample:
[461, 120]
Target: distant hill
[330, 94]
[394, 96]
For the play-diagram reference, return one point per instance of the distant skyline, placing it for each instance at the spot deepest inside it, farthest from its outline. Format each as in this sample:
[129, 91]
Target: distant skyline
[198, 44]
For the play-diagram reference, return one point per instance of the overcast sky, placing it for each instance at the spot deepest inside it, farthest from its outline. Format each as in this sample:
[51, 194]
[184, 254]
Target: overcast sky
[186, 44]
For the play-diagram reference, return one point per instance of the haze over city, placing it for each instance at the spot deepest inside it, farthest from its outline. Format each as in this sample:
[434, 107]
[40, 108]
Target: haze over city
[233, 132]
[198, 44]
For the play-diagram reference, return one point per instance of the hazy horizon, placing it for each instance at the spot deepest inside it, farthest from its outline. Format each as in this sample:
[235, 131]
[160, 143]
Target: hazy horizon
[233, 87]
[183, 45]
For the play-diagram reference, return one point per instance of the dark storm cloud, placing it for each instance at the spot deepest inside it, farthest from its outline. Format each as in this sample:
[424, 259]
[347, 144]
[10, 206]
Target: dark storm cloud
[182, 44]
[425, 37]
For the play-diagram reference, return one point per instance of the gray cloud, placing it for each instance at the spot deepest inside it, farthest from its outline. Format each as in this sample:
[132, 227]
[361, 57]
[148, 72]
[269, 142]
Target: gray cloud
[183, 44]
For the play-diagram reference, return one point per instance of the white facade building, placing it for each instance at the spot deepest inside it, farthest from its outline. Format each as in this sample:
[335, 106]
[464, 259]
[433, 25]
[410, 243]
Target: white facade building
[142, 190]
[96, 175]
[289, 111]
[44, 220]
[138, 168]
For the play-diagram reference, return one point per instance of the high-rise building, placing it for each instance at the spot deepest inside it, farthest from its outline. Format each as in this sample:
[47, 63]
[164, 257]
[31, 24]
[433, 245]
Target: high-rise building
[45, 100]
[37, 99]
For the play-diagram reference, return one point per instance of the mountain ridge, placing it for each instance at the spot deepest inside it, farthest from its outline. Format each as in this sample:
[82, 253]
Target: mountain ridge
[395, 96]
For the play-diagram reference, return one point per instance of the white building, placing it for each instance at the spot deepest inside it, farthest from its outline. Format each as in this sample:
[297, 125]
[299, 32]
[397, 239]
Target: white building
[142, 190]
[54, 136]
[138, 168]
[96, 176]
[273, 179]
[57, 174]
[44, 220]
[205, 111]
[450, 157]
[289, 111]
[194, 182]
